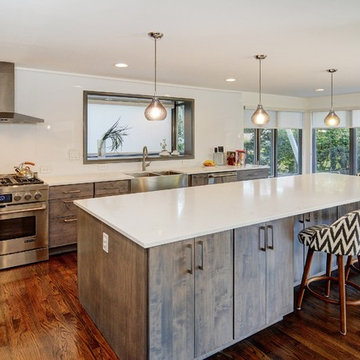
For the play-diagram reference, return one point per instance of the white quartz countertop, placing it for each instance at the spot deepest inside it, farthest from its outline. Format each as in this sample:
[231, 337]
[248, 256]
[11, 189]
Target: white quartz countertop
[162, 217]
[98, 177]
[211, 169]
[84, 178]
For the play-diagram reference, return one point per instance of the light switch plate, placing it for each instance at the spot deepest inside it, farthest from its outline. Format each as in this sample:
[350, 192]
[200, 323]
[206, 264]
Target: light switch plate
[105, 242]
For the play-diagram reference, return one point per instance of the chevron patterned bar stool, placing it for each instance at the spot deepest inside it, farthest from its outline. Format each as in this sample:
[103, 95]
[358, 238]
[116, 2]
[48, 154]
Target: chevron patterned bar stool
[342, 238]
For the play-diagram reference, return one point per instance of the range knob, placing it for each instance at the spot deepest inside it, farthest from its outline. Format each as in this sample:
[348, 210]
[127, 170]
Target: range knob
[17, 197]
[27, 196]
[37, 195]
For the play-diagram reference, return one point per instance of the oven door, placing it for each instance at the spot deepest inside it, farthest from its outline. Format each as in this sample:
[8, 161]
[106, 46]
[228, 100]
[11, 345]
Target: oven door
[23, 227]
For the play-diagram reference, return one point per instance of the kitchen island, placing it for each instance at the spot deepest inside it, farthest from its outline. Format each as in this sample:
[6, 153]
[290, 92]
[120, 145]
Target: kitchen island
[187, 272]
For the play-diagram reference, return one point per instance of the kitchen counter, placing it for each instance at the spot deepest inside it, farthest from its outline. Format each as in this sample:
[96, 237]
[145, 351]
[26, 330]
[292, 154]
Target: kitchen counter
[162, 217]
[98, 177]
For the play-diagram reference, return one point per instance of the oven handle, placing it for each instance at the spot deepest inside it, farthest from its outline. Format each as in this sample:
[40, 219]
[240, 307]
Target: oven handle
[42, 207]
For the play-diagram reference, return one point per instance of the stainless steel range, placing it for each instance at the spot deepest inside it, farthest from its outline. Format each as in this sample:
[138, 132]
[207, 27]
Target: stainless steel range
[23, 221]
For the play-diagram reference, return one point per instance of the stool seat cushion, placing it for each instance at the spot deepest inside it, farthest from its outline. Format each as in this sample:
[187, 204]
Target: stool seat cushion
[306, 236]
[340, 238]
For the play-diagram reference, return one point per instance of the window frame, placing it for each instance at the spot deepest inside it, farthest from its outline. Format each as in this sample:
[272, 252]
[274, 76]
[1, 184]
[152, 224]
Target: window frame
[189, 129]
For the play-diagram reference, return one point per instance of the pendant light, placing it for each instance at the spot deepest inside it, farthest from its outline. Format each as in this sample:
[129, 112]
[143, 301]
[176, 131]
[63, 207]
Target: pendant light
[155, 110]
[260, 116]
[331, 118]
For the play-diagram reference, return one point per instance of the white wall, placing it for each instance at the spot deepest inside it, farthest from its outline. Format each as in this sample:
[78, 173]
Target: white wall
[58, 98]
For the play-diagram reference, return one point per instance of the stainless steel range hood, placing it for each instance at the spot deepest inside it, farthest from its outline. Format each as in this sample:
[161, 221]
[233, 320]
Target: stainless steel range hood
[7, 98]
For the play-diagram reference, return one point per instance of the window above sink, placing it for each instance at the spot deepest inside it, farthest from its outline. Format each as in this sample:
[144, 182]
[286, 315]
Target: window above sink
[116, 130]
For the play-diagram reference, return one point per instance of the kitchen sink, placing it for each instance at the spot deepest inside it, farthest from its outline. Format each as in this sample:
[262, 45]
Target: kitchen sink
[157, 180]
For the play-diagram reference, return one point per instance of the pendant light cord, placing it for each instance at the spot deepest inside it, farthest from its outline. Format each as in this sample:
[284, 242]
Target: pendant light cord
[259, 81]
[332, 91]
[155, 68]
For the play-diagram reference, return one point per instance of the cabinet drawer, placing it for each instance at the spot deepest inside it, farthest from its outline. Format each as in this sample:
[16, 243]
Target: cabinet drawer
[253, 174]
[62, 208]
[108, 188]
[74, 191]
[62, 231]
[199, 179]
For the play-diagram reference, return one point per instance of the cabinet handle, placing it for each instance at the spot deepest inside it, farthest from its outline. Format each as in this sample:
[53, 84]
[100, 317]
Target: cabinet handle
[308, 218]
[69, 220]
[201, 266]
[301, 219]
[190, 270]
[262, 230]
[71, 192]
[271, 247]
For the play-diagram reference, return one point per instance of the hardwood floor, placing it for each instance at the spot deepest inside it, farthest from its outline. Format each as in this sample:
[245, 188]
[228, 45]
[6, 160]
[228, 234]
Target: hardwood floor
[41, 318]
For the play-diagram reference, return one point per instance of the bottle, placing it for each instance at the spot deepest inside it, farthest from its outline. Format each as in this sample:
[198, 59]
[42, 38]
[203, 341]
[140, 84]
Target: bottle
[221, 156]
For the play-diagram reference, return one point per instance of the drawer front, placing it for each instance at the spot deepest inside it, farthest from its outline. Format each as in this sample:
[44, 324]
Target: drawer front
[62, 231]
[253, 174]
[62, 208]
[74, 191]
[199, 179]
[108, 188]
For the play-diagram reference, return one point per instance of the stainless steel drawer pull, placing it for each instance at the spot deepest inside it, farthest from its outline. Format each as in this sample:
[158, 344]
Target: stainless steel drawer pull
[69, 220]
[72, 192]
[201, 265]
[262, 241]
[271, 247]
[190, 270]
[222, 175]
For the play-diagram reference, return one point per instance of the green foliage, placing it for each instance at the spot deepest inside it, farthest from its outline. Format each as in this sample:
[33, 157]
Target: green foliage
[180, 129]
[333, 150]
[116, 134]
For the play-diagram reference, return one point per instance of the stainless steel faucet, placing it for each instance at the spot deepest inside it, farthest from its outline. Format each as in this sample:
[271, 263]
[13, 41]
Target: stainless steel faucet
[145, 155]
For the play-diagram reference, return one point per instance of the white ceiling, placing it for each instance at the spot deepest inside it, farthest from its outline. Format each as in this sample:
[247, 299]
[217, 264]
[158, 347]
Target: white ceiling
[205, 41]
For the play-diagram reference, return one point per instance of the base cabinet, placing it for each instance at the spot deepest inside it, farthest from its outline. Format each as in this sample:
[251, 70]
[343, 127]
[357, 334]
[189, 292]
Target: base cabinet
[190, 294]
[263, 275]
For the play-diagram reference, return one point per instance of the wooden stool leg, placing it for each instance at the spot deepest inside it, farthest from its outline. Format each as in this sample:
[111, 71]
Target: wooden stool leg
[342, 295]
[358, 262]
[328, 273]
[304, 278]
[348, 266]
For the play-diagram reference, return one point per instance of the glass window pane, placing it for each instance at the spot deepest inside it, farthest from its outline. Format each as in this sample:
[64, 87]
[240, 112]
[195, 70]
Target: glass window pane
[266, 148]
[333, 150]
[180, 129]
[249, 145]
[288, 152]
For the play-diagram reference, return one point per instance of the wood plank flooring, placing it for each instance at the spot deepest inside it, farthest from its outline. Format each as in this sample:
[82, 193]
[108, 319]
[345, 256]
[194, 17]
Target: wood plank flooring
[41, 318]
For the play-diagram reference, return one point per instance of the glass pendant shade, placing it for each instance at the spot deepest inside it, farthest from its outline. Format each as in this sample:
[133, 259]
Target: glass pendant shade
[155, 110]
[332, 119]
[260, 116]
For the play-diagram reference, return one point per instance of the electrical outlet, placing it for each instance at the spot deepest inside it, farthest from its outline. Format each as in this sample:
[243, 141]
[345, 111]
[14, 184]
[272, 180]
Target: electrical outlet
[45, 169]
[74, 154]
[102, 167]
[105, 242]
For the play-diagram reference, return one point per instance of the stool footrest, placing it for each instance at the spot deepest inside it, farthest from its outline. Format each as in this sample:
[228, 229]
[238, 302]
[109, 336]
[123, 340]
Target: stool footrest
[329, 299]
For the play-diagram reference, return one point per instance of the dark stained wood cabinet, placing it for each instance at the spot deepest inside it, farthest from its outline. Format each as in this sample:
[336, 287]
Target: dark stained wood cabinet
[263, 275]
[110, 188]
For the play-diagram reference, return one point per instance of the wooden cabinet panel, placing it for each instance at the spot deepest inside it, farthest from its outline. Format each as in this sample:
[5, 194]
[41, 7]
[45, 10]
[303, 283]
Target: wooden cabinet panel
[253, 174]
[73, 191]
[199, 179]
[213, 291]
[299, 249]
[62, 231]
[109, 188]
[171, 301]
[344, 209]
[62, 208]
[249, 280]
[279, 272]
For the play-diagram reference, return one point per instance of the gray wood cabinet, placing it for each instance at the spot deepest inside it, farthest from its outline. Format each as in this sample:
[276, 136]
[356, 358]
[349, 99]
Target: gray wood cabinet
[191, 292]
[263, 275]
[325, 216]
[344, 209]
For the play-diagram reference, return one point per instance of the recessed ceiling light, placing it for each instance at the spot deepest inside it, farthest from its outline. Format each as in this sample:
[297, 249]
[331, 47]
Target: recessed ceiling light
[121, 65]
[230, 80]
[319, 90]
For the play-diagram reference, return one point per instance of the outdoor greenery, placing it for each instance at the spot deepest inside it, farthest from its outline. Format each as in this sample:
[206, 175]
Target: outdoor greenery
[180, 128]
[287, 161]
[332, 150]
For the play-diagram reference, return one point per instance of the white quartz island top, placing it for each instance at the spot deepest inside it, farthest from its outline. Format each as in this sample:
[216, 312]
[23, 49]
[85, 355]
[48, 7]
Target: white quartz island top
[161, 217]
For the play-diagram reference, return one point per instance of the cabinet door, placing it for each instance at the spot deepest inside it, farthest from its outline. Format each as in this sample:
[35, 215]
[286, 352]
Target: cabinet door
[279, 272]
[249, 280]
[299, 249]
[171, 301]
[327, 217]
[344, 209]
[199, 179]
[213, 291]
